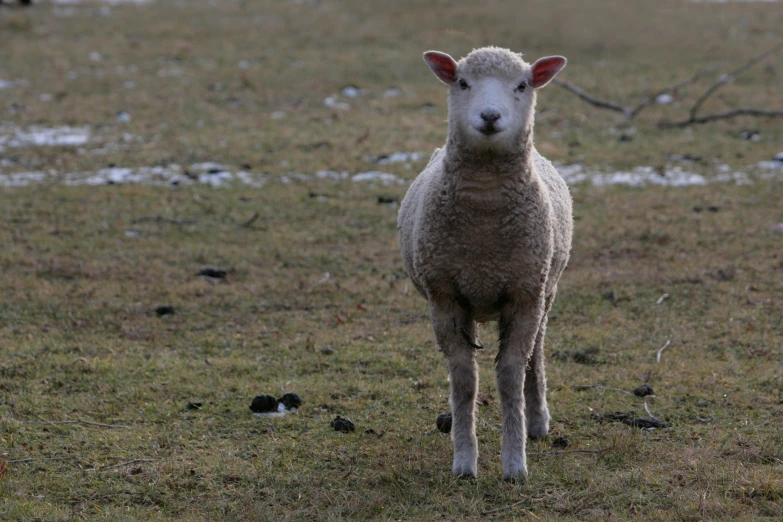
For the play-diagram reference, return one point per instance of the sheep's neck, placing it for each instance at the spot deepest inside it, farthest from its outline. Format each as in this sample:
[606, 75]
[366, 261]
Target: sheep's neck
[489, 167]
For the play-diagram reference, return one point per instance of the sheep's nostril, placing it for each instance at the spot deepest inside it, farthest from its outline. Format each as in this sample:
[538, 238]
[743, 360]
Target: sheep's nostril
[490, 116]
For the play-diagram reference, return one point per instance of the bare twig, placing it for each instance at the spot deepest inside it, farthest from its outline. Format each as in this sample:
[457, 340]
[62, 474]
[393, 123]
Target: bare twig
[649, 412]
[561, 452]
[506, 508]
[250, 221]
[161, 219]
[599, 387]
[31, 459]
[661, 349]
[677, 86]
[121, 464]
[725, 78]
[80, 421]
[661, 299]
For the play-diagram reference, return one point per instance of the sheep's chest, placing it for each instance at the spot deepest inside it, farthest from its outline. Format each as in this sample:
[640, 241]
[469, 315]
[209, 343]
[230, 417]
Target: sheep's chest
[489, 246]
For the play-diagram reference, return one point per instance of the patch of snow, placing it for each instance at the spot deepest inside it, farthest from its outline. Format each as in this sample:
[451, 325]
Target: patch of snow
[331, 174]
[331, 102]
[398, 157]
[384, 178]
[37, 136]
[636, 177]
[664, 99]
[351, 91]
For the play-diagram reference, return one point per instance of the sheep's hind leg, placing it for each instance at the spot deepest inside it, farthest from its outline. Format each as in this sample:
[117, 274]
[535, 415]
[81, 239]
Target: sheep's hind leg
[536, 409]
[517, 336]
[456, 336]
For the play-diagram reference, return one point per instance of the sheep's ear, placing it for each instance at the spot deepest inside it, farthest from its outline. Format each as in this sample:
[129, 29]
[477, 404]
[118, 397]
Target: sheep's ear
[443, 65]
[545, 69]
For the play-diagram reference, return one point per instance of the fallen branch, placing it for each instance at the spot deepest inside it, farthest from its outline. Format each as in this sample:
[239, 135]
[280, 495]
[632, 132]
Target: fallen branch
[121, 464]
[664, 124]
[598, 387]
[631, 112]
[725, 78]
[592, 101]
[661, 349]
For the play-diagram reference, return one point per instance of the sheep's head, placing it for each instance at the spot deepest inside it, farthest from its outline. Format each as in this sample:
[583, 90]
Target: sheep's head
[492, 94]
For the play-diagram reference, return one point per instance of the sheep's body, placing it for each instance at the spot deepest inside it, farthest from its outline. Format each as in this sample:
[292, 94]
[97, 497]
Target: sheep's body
[485, 233]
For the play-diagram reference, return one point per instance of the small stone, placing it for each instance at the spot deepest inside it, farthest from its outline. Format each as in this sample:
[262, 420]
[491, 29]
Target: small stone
[643, 391]
[561, 442]
[290, 401]
[342, 424]
[443, 422]
[264, 404]
[164, 310]
[327, 350]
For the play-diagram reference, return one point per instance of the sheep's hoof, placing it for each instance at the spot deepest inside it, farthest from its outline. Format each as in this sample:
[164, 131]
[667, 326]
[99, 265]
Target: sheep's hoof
[465, 476]
[514, 478]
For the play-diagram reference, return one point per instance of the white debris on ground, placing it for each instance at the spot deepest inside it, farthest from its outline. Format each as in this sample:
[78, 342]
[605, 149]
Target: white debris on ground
[384, 178]
[680, 174]
[398, 157]
[281, 411]
[5, 84]
[37, 136]
[333, 103]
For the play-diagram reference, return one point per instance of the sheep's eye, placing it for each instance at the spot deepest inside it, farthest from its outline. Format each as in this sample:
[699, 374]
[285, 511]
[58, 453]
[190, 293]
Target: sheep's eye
[463, 84]
[521, 87]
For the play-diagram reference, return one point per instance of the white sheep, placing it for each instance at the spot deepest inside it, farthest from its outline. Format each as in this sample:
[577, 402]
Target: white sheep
[485, 233]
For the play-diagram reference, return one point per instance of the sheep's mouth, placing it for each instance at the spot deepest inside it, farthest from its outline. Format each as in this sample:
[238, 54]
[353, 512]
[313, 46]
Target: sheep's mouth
[489, 130]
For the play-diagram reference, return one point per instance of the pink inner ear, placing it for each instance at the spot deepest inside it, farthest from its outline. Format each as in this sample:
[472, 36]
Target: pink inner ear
[443, 65]
[545, 69]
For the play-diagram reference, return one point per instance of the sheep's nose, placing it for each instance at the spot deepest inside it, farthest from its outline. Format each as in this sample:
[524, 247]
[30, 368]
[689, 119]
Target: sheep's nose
[490, 116]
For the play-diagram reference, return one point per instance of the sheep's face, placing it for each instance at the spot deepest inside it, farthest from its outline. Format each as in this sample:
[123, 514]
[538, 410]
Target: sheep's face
[492, 97]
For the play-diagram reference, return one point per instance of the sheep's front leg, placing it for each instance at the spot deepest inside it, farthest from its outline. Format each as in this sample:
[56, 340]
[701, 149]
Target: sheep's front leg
[455, 333]
[536, 410]
[518, 330]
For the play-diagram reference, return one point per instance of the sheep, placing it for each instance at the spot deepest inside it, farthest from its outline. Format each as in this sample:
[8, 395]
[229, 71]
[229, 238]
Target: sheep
[485, 234]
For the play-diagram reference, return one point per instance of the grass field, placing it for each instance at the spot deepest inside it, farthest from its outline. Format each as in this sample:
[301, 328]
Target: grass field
[95, 385]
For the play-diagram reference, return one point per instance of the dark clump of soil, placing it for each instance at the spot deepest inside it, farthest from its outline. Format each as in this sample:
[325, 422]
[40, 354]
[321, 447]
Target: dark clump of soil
[342, 424]
[290, 401]
[443, 422]
[164, 310]
[646, 423]
[643, 391]
[561, 442]
[193, 406]
[629, 419]
[264, 404]
[214, 273]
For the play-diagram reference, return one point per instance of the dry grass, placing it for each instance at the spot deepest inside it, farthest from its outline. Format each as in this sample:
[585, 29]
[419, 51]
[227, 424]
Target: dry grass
[82, 275]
